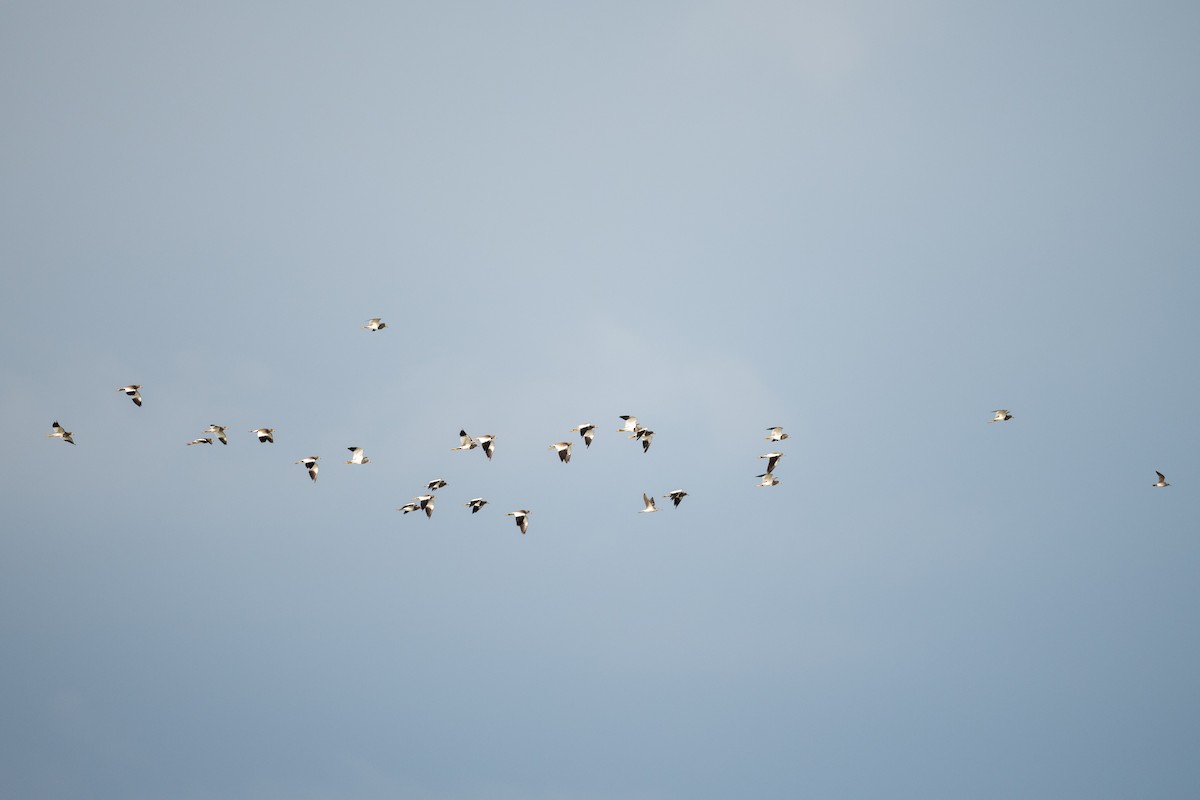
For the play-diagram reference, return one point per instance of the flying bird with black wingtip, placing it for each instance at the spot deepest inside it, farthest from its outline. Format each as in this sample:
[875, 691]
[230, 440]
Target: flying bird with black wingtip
[772, 460]
[488, 443]
[133, 391]
[564, 451]
[676, 496]
[588, 431]
[310, 463]
[425, 503]
[59, 432]
[521, 518]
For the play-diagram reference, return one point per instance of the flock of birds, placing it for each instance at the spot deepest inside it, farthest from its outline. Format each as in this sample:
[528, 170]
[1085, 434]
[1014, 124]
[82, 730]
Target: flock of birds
[487, 443]
[425, 502]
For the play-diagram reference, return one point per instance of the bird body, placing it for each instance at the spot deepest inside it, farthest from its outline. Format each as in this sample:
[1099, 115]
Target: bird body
[219, 430]
[59, 432]
[588, 431]
[676, 496]
[564, 451]
[649, 503]
[1001, 415]
[206, 440]
[488, 443]
[772, 460]
[476, 504]
[1162, 480]
[630, 424]
[375, 324]
[310, 464]
[435, 484]
[777, 434]
[645, 435]
[265, 434]
[465, 442]
[521, 518]
[357, 457]
[132, 391]
[768, 479]
[425, 503]
[407, 507]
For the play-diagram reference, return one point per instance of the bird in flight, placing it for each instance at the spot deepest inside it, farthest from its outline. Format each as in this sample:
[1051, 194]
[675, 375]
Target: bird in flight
[768, 479]
[772, 460]
[645, 435]
[435, 484]
[777, 434]
[59, 432]
[522, 519]
[649, 503]
[357, 457]
[1162, 479]
[205, 440]
[219, 430]
[310, 464]
[488, 443]
[132, 391]
[476, 504]
[1001, 415]
[265, 434]
[407, 507]
[588, 431]
[375, 324]
[425, 503]
[630, 424]
[676, 496]
[465, 442]
[564, 451]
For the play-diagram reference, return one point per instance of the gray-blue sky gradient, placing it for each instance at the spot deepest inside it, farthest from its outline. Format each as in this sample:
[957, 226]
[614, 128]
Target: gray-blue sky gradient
[871, 223]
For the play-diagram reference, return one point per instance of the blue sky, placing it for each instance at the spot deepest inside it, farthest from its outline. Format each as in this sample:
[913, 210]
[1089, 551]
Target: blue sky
[870, 223]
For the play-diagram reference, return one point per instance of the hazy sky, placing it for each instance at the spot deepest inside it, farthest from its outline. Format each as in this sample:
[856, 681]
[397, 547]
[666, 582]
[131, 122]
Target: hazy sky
[871, 223]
